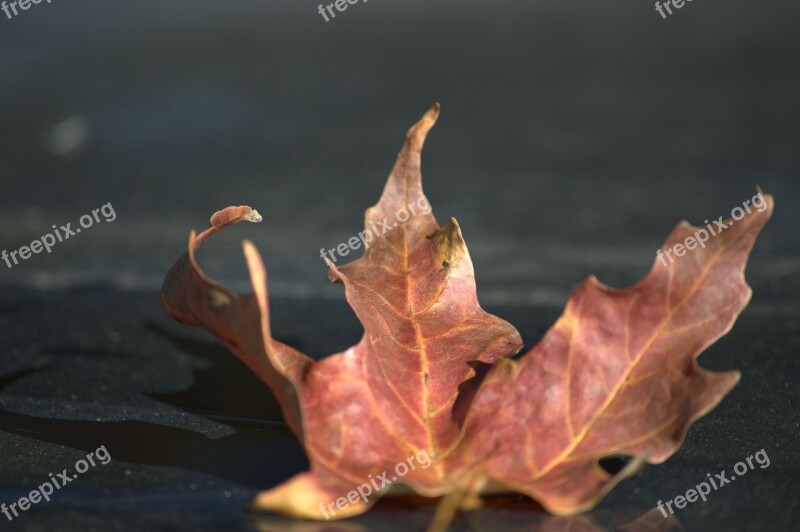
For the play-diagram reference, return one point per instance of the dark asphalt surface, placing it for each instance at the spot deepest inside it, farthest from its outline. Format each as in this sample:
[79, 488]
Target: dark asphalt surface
[572, 139]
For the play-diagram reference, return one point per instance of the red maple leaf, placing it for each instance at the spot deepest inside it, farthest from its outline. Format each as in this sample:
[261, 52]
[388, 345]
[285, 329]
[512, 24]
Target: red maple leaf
[616, 374]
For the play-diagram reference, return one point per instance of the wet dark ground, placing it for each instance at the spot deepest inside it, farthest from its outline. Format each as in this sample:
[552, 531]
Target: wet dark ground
[572, 139]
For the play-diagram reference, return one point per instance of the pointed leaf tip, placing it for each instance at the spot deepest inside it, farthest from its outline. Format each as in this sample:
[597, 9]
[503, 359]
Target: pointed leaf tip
[449, 243]
[418, 132]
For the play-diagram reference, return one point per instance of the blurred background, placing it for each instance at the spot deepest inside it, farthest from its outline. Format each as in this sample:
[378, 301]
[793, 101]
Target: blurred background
[572, 138]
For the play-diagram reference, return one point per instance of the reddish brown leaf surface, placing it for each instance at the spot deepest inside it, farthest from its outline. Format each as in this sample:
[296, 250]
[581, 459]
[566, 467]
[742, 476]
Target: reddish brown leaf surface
[616, 374]
[361, 412]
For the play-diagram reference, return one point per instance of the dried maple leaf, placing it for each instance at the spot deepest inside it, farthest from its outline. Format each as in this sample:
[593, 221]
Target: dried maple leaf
[616, 374]
[361, 412]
